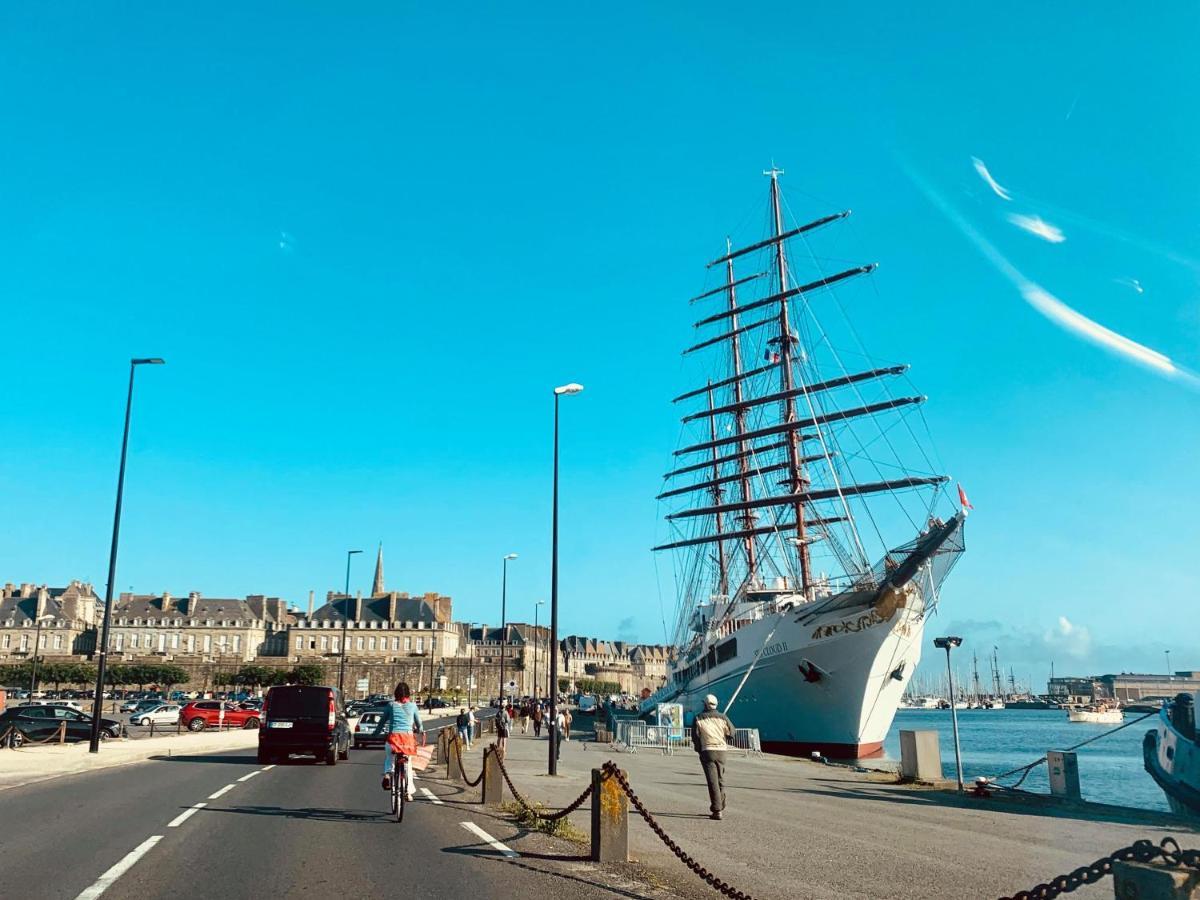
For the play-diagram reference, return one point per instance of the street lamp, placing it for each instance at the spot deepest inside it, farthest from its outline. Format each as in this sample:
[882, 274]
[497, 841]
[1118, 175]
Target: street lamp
[345, 624]
[571, 388]
[102, 650]
[37, 640]
[1170, 676]
[537, 646]
[504, 621]
[947, 644]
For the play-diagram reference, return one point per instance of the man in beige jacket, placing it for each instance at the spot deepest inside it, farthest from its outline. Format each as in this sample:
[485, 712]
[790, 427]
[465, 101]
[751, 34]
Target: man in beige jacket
[711, 730]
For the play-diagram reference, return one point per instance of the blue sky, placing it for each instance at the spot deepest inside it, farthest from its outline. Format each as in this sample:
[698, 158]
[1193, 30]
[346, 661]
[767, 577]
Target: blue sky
[369, 245]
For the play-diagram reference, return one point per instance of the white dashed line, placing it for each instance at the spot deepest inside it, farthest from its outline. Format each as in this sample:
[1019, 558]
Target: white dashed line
[267, 768]
[107, 880]
[251, 775]
[488, 839]
[224, 790]
[431, 797]
[185, 815]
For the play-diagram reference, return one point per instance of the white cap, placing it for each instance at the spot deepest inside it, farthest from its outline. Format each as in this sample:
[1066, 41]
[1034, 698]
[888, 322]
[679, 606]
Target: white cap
[711, 700]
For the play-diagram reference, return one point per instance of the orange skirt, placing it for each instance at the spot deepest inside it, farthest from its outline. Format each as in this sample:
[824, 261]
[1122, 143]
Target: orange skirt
[403, 742]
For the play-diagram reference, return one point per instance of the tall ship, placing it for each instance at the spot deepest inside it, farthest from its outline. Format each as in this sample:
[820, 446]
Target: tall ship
[810, 530]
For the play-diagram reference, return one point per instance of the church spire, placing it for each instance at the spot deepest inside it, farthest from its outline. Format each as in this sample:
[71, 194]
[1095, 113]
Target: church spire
[377, 588]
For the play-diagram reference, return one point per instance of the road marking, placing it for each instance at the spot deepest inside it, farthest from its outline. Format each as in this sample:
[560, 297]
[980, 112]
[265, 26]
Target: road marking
[267, 768]
[185, 815]
[429, 795]
[488, 839]
[105, 881]
[251, 775]
[224, 790]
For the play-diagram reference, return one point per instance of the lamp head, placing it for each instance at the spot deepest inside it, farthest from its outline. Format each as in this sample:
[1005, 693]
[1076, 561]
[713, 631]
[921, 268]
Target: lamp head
[149, 361]
[945, 643]
[352, 552]
[571, 388]
[510, 556]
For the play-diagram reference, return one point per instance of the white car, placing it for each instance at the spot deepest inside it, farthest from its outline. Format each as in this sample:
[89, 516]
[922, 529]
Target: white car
[165, 714]
[72, 704]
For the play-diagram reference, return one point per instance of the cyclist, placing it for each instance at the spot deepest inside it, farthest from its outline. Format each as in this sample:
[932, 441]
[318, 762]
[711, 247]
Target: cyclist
[401, 722]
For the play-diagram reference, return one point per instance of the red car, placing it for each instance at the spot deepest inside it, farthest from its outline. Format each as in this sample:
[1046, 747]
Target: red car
[201, 714]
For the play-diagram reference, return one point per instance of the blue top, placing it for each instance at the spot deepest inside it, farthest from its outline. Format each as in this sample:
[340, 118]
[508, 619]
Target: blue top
[399, 718]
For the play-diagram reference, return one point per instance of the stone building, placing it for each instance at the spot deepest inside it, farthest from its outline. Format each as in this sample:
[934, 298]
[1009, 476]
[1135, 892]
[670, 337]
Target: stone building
[1126, 687]
[632, 666]
[526, 654]
[68, 616]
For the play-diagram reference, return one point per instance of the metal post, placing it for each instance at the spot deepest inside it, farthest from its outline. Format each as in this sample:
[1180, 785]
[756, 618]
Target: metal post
[947, 643]
[102, 649]
[553, 688]
[37, 639]
[504, 621]
[345, 626]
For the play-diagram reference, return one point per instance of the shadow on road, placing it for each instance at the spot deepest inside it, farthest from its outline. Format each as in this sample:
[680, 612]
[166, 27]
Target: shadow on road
[247, 759]
[314, 813]
[551, 873]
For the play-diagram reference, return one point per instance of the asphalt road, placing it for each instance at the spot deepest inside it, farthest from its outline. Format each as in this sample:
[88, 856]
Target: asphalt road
[294, 830]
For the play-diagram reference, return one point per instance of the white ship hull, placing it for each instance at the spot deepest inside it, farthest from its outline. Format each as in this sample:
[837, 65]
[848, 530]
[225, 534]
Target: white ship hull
[1096, 716]
[1173, 760]
[827, 681]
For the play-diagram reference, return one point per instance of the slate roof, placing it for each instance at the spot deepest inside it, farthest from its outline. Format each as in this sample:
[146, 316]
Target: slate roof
[375, 609]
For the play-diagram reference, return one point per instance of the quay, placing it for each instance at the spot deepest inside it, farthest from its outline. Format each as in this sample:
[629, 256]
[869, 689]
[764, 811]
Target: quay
[795, 828]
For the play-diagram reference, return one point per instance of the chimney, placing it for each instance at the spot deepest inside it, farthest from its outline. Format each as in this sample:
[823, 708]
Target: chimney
[43, 596]
[391, 608]
[311, 598]
[357, 606]
[189, 605]
[165, 601]
[280, 608]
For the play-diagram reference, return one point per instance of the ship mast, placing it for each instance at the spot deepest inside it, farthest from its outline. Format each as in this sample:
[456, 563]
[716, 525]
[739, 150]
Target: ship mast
[749, 517]
[796, 476]
[717, 494]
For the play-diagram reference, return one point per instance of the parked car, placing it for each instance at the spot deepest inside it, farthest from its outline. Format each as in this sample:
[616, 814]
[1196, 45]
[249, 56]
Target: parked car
[135, 707]
[201, 714]
[304, 719]
[587, 705]
[39, 723]
[252, 704]
[162, 714]
[364, 730]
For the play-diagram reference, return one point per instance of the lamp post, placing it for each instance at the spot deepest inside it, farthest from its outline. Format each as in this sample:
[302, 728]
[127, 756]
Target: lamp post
[37, 641]
[553, 688]
[1170, 675]
[102, 649]
[537, 648]
[504, 621]
[345, 625]
[947, 644]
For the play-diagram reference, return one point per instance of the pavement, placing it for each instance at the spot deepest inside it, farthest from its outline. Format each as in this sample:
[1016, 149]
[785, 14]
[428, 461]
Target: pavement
[794, 828]
[205, 825]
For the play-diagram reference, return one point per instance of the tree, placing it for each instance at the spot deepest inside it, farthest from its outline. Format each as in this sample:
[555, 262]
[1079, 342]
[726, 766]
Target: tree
[255, 676]
[169, 676]
[307, 674]
[117, 676]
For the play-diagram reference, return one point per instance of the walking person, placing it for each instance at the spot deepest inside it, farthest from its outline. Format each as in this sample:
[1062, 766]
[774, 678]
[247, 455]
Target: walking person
[567, 720]
[536, 715]
[526, 713]
[556, 734]
[470, 726]
[503, 725]
[463, 722]
[711, 731]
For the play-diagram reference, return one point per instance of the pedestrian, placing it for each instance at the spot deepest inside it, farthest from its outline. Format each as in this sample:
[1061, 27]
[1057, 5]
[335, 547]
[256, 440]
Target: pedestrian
[536, 715]
[463, 722]
[503, 724]
[557, 734]
[525, 715]
[711, 730]
[567, 720]
[470, 726]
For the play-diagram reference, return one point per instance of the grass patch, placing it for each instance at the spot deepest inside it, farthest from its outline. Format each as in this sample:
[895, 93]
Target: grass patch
[531, 818]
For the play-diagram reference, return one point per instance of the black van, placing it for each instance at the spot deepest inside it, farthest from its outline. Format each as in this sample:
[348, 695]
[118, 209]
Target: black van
[302, 719]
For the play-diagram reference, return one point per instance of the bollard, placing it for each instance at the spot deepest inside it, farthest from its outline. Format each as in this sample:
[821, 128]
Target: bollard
[1064, 774]
[1153, 881]
[440, 753]
[493, 781]
[920, 759]
[610, 820]
[453, 769]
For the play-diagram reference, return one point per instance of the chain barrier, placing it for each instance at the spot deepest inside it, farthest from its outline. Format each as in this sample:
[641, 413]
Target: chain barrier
[6, 739]
[13, 733]
[611, 770]
[529, 807]
[1143, 851]
[463, 769]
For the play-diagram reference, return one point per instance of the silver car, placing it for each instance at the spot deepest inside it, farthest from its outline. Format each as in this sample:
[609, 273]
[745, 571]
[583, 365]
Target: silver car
[160, 714]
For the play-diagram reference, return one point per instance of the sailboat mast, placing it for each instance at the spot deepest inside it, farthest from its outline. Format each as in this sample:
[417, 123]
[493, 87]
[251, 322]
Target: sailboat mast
[797, 482]
[748, 517]
[717, 493]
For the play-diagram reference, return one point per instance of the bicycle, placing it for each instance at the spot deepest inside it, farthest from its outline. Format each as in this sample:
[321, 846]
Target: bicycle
[400, 777]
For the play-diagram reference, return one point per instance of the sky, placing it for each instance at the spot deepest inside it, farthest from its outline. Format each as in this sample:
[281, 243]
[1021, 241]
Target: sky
[370, 245]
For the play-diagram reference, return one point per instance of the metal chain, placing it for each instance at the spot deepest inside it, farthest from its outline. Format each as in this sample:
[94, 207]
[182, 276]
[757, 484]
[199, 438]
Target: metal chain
[527, 806]
[1142, 851]
[13, 731]
[612, 771]
[462, 768]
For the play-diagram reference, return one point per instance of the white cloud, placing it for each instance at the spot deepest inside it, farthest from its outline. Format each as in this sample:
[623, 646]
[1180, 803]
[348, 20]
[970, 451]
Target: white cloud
[988, 179]
[1039, 227]
[1074, 640]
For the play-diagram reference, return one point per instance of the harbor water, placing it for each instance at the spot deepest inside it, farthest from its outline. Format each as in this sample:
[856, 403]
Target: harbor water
[998, 740]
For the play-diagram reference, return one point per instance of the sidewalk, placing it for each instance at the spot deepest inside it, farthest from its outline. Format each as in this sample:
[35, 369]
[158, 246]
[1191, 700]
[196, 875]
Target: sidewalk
[794, 828]
[34, 763]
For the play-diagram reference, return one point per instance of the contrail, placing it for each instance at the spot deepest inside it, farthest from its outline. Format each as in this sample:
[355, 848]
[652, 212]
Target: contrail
[987, 177]
[1039, 227]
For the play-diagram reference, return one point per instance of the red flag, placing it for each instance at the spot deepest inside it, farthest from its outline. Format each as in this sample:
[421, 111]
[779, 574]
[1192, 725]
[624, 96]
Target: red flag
[962, 499]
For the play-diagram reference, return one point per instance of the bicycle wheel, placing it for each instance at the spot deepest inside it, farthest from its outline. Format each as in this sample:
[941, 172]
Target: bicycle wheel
[398, 782]
[396, 792]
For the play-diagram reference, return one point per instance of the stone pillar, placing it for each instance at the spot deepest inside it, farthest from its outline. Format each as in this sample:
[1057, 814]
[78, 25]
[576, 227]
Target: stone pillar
[1154, 881]
[1064, 774]
[610, 820]
[453, 770]
[493, 781]
[920, 758]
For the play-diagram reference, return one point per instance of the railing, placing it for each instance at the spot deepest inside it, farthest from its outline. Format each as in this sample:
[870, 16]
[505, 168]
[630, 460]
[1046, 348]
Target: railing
[634, 736]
